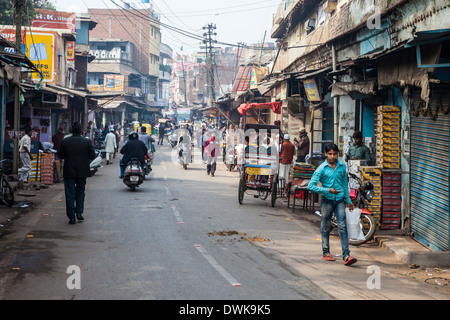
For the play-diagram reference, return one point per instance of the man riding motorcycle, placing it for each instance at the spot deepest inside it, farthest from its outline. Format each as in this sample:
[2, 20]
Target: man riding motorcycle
[133, 149]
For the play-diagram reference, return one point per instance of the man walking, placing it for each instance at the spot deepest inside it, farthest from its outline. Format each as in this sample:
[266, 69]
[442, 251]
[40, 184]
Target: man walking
[333, 176]
[161, 131]
[77, 151]
[25, 155]
[110, 145]
[287, 155]
[211, 148]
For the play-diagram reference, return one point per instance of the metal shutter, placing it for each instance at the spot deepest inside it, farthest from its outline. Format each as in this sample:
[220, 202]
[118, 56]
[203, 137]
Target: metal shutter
[430, 205]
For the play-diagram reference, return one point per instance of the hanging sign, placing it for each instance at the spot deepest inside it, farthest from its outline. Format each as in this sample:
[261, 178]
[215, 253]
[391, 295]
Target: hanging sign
[312, 91]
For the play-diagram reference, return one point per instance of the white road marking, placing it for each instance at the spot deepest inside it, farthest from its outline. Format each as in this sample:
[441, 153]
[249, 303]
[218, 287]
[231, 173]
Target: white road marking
[177, 214]
[224, 273]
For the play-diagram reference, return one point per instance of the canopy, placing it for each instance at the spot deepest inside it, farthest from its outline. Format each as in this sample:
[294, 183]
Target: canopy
[275, 106]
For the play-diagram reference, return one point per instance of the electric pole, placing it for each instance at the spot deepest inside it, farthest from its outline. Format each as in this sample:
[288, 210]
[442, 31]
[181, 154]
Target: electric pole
[18, 4]
[210, 59]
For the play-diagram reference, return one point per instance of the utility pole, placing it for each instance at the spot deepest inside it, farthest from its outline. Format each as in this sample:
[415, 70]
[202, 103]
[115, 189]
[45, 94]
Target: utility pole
[210, 59]
[18, 4]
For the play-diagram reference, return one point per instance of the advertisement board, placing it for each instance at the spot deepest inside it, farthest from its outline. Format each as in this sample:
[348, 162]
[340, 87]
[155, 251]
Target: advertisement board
[40, 49]
[312, 91]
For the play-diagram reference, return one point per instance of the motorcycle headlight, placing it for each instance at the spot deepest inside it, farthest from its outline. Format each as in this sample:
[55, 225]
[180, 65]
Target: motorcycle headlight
[369, 194]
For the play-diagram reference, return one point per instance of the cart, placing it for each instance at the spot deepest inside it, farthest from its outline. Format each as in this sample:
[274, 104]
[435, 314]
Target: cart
[260, 162]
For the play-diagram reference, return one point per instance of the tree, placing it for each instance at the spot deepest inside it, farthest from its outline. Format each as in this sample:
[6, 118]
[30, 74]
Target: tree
[7, 9]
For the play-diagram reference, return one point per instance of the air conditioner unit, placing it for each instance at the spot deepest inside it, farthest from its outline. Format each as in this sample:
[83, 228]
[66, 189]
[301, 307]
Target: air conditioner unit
[329, 6]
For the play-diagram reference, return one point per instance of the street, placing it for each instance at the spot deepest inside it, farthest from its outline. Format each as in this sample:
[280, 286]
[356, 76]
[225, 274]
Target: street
[183, 236]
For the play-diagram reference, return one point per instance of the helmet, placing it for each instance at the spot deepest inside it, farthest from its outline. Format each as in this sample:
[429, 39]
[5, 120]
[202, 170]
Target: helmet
[133, 136]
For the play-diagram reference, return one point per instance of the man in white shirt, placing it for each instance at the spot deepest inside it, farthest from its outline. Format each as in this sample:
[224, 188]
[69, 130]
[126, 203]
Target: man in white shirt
[25, 155]
[110, 145]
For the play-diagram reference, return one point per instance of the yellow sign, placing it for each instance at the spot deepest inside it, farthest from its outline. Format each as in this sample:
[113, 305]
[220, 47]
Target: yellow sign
[312, 90]
[114, 82]
[40, 50]
[259, 171]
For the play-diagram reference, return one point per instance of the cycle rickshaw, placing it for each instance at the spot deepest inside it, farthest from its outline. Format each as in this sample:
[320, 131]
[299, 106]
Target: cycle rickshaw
[259, 162]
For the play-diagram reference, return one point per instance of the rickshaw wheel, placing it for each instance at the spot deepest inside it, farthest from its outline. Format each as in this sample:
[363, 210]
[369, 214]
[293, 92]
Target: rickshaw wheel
[241, 190]
[274, 191]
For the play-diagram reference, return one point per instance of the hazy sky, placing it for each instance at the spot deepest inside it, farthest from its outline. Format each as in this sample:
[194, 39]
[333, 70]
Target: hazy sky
[236, 20]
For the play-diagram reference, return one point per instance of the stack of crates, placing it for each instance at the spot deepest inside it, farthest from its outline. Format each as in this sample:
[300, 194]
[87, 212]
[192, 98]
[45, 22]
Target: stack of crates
[388, 134]
[392, 203]
[47, 164]
[35, 172]
[373, 175]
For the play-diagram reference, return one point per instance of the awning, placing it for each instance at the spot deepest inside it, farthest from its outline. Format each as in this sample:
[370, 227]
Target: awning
[117, 68]
[429, 36]
[313, 73]
[72, 92]
[353, 89]
[275, 106]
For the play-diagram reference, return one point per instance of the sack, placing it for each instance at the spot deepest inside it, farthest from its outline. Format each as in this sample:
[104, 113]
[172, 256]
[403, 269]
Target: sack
[354, 230]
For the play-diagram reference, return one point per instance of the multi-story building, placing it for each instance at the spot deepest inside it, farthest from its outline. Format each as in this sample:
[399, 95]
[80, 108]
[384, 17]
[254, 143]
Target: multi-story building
[127, 46]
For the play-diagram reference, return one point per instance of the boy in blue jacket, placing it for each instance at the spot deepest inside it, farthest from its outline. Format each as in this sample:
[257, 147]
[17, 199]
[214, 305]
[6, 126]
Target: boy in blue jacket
[335, 197]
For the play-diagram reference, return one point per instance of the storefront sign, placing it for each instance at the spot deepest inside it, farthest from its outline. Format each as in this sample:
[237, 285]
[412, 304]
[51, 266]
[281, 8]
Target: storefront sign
[41, 48]
[312, 90]
[114, 82]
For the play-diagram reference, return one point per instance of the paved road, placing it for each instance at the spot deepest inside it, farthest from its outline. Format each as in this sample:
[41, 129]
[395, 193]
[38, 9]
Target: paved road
[183, 235]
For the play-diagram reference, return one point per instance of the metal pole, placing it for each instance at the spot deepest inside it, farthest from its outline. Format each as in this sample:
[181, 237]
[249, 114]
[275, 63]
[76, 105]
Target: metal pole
[335, 100]
[18, 7]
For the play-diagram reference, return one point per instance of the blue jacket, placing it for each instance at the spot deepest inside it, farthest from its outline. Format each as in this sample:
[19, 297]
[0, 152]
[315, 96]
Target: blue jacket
[330, 178]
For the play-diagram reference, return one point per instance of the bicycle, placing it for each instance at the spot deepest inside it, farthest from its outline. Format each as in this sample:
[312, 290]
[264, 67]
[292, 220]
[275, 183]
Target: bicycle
[6, 190]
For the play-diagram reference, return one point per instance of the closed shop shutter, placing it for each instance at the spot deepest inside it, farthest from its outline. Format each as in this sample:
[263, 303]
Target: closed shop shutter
[430, 139]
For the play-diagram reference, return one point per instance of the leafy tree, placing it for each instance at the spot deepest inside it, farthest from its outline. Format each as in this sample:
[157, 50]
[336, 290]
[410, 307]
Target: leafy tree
[7, 10]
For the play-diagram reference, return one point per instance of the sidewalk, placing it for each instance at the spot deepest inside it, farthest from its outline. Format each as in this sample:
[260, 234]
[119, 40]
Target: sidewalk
[396, 242]
[26, 200]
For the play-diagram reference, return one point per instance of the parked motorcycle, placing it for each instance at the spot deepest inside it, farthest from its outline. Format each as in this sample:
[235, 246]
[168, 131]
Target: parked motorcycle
[360, 198]
[96, 163]
[134, 175]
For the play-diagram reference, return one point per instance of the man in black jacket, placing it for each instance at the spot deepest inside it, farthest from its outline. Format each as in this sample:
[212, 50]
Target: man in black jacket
[134, 148]
[77, 151]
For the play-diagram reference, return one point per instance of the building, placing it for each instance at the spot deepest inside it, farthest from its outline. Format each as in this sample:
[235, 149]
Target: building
[127, 47]
[382, 69]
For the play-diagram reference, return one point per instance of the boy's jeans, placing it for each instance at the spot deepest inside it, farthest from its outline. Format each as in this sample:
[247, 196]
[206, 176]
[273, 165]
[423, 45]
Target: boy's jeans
[338, 207]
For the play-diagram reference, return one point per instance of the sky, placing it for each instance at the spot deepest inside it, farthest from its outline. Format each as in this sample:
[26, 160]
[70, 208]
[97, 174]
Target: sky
[247, 21]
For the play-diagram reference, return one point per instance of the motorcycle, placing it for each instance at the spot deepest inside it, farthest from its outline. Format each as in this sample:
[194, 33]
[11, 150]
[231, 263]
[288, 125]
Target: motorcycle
[173, 138]
[96, 163]
[184, 155]
[230, 158]
[148, 163]
[360, 198]
[133, 175]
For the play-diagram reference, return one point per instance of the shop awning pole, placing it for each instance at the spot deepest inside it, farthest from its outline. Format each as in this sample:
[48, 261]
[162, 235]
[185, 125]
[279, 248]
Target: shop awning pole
[335, 100]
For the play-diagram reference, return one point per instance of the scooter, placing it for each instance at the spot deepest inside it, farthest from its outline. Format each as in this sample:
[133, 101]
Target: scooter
[96, 163]
[148, 163]
[173, 138]
[230, 158]
[134, 175]
[360, 198]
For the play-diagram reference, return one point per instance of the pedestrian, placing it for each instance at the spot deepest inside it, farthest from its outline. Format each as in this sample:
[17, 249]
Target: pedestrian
[211, 148]
[358, 151]
[286, 155]
[161, 131]
[110, 145]
[25, 155]
[302, 145]
[77, 151]
[335, 196]
[57, 138]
